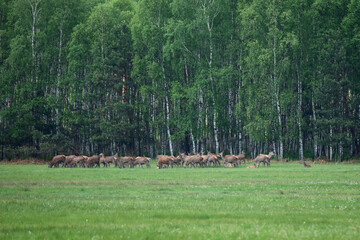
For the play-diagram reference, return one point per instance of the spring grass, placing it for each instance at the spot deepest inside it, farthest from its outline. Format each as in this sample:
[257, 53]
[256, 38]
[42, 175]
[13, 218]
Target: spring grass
[286, 201]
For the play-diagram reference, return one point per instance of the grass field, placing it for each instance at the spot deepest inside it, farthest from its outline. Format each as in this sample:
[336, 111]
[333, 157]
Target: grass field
[286, 201]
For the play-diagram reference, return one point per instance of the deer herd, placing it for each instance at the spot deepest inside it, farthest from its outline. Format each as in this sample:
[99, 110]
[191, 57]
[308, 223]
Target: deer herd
[163, 161]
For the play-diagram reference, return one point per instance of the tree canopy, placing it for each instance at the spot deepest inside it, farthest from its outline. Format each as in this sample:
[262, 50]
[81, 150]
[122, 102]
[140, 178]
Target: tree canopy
[161, 77]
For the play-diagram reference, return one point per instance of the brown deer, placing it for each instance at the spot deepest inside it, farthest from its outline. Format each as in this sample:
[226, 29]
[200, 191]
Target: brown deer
[255, 166]
[79, 161]
[230, 165]
[164, 160]
[204, 159]
[106, 161]
[57, 160]
[141, 161]
[177, 161]
[68, 160]
[264, 158]
[241, 157]
[124, 161]
[212, 159]
[197, 160]
[192, 160]
[232, 159]
[92, 161]
[306, 165]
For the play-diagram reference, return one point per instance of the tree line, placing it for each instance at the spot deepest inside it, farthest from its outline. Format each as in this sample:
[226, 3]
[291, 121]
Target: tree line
[153, 77]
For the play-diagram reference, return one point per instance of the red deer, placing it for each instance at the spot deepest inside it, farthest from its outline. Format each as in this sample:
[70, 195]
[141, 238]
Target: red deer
[197, 160]
[213, 159]
[92, 161]
[106, 161]
[192, 160]
[78, 161]
[185, 159]
[230, 165]
[232, 159]
[57, 160]
[124, 161]
[177, 161]
[255, 166]
[163, 166]
[205, 159]
[165, 160]
[68, 160]
[141, 161]
[306, 165]
[241, 157]
[264, 158]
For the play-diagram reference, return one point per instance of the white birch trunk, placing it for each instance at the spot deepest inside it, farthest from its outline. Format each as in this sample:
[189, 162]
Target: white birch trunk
[341, 148]
[167, 125]
[230, 114]
[301, 147]
[167, 108]
[35, 11]
[152, 150]
[239, 142]
[58, 79]
[200, 122]
[331, 148]
[216, 134]
[315, 128]
[192, 141]
[277, 101]
[209, 24]
[186, 81]
[274, 149]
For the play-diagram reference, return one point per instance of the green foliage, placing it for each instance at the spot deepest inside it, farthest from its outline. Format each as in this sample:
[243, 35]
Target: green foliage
[139, 76]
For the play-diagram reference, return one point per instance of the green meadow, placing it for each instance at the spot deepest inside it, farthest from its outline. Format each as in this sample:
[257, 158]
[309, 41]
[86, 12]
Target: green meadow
[286, 201]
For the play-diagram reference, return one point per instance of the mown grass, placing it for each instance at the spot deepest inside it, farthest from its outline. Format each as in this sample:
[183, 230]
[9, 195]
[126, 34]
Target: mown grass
[286, 201]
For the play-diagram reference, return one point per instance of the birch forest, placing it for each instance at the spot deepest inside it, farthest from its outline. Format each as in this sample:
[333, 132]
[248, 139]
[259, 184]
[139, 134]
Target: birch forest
[152, 77]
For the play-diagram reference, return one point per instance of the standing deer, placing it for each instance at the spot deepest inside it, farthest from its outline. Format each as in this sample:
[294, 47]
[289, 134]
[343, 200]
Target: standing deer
[241, 157]
[264, 158]
[164, 160]
[106, 161]
[205, 159]
[212, 159]
[232, 159]
[92, 161]
[125, 161]
[141, 161]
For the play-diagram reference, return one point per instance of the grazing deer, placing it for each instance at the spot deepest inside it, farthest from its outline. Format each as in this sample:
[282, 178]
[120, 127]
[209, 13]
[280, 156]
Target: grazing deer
[306, 165]
[68, 160]
[57, 160]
